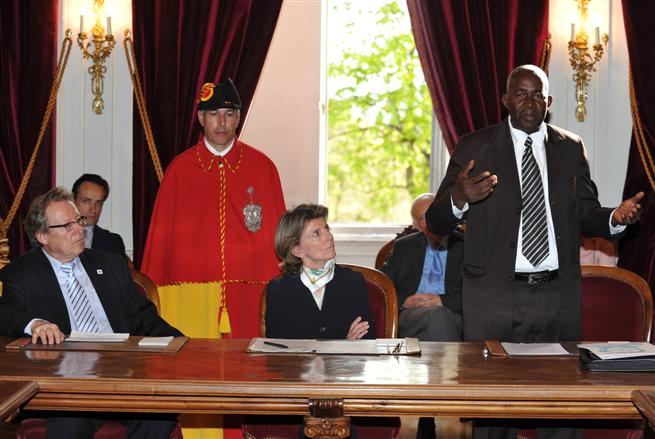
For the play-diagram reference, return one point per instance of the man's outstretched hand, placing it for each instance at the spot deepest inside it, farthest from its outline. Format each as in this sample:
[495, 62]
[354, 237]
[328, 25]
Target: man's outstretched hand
[629, 211]
[469, 189]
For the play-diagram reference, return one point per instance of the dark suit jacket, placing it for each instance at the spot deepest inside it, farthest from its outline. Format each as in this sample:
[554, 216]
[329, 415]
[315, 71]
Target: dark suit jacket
[31, 290]
[405, 268]
[493, 224]
[291, 311]
[106, 240]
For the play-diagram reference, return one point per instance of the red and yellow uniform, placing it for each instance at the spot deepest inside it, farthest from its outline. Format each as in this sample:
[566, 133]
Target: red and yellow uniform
[210, 245]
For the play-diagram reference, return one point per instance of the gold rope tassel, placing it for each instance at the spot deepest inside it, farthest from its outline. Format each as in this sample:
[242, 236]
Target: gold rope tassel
[640, 137]
[224, 326]
[59, 74]
[128, 45]
[545, 53]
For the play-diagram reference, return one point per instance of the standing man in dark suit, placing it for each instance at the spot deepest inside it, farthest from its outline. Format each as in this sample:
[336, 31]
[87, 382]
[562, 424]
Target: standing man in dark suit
[60, 287]
[91, 192]
[426, 271]
[524, 188]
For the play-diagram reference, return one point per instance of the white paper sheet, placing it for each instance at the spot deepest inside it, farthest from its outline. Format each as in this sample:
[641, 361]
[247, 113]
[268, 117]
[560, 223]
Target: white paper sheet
[534, 349]
[100, 337]
[155, 341]
[381, 346]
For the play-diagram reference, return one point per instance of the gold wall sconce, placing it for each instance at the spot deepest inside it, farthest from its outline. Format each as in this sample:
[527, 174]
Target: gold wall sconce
[582, 61]
[103, 43]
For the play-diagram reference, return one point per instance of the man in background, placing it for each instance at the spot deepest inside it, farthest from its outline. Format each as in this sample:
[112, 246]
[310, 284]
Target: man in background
[91, 192]
[426, 271]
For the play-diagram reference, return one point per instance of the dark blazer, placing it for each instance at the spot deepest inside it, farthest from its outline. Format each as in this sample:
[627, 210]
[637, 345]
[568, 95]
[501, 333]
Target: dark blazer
[493, 224]
[291, 311]
[31, 290]
[405, 268]
[105, 240]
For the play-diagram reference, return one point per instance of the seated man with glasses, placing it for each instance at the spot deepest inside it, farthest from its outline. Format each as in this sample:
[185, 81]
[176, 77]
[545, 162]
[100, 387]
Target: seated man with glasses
[61, 286]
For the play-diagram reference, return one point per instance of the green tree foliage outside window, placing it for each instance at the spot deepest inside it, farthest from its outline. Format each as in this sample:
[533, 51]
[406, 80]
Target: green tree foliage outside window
[379, 119]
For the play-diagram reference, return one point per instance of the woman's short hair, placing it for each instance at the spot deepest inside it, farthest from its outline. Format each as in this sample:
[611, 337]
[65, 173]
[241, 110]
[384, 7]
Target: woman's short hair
[288, 233]
[36, 220]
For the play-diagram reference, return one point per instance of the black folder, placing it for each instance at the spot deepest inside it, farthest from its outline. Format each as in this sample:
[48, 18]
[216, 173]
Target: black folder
[593, 363]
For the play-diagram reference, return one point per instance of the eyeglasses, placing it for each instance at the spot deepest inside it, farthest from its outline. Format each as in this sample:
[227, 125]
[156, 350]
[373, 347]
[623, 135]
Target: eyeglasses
[69, 226]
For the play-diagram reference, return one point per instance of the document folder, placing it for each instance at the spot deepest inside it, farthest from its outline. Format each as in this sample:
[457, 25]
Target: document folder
[593, 363]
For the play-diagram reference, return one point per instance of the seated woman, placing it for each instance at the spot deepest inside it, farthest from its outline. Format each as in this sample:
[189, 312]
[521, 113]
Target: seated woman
[314, 298]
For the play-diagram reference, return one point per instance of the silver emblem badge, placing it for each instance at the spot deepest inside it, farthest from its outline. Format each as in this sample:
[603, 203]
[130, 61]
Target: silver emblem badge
[252, 213]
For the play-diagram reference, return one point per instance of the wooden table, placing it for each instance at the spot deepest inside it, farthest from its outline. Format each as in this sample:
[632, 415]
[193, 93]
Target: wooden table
[218, 376]
[13, 394]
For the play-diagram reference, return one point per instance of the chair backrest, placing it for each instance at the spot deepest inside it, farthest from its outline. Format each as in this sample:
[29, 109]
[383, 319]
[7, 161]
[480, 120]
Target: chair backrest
[146, 286]
[385, 251]
[381, 298]
[617, 304]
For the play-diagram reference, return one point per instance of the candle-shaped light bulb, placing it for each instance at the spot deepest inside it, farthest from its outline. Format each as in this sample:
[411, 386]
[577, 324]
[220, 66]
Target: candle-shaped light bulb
[572, 31]
[81, 23]
[109, 26]
[597, 35]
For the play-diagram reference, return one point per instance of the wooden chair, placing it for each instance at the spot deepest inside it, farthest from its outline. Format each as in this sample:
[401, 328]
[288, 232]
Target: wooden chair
[34, 428]
[381, 298]
[617, 304]
[146, 286]
[385, 251]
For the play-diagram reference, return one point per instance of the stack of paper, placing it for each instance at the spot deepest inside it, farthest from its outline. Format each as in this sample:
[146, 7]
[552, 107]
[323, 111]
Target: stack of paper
[614, 350]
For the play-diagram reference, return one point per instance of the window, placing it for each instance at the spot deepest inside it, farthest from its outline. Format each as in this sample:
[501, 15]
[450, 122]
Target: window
[380, 120]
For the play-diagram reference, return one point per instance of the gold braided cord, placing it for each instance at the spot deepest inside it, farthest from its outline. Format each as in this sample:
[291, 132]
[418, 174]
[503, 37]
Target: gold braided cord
[59, 74]
[642, 143]
[128, 44]
[223, 316]
[546, 50]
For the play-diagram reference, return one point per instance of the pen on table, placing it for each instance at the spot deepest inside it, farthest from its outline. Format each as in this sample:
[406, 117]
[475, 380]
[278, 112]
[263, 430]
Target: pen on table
[277, 345]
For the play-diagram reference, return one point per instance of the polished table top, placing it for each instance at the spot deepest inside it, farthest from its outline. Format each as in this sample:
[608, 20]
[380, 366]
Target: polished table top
[220, 376]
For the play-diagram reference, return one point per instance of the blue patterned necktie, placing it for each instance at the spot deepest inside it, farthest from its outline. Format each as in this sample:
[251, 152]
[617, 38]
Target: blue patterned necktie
[81, 307]
[535, 225]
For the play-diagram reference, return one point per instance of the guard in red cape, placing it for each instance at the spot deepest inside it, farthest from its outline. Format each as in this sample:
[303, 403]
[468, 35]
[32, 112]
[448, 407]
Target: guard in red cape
[214, 220]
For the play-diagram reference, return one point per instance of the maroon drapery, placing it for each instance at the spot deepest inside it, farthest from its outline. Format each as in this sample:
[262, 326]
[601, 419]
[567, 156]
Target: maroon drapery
[179, 45]
[28, 44]
[637, 248]
[467, 48]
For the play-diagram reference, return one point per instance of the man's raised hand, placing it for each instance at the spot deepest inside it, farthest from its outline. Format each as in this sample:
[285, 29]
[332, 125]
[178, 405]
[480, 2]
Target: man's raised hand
[469, 189]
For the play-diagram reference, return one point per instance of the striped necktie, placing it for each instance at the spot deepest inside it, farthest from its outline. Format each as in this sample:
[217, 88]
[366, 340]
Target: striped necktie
[81, 307]
[535, 225]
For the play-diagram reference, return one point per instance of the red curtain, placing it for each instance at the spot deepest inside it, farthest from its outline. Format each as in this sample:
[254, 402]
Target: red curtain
[637, 248]
[28, 44]
[467, 48]
[180, 45]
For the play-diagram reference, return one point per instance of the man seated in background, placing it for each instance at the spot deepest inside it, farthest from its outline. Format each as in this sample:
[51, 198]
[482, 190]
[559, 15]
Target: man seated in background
[91, 192]
[426, 271]
[63, 287]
